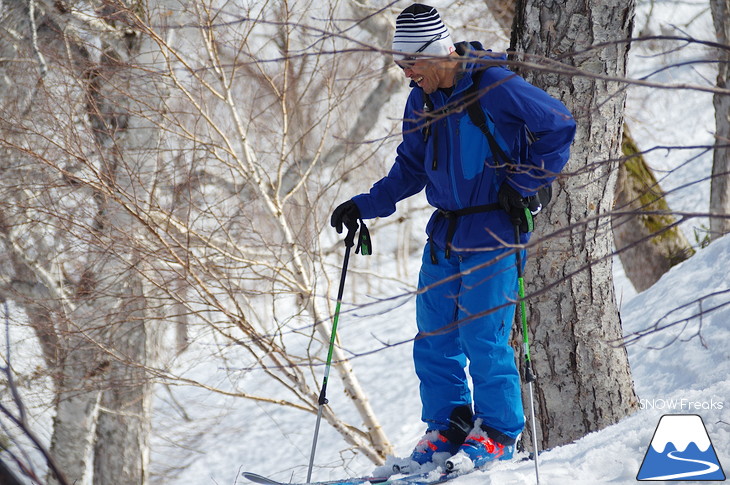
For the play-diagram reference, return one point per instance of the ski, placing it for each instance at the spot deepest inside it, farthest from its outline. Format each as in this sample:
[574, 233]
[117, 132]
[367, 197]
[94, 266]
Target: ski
[256, 478]
[436, 476]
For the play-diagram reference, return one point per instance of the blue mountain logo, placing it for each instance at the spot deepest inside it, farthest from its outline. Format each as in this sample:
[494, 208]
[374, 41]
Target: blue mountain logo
[681, 450]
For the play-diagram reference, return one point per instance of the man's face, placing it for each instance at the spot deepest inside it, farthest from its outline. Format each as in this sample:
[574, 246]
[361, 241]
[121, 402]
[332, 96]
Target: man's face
[427, 73]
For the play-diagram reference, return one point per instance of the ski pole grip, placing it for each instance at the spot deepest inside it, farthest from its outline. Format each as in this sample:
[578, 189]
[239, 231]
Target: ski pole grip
[350, 238]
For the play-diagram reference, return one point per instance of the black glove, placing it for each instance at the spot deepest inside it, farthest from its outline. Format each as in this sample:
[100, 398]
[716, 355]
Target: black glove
[346, 214]
[514, 204]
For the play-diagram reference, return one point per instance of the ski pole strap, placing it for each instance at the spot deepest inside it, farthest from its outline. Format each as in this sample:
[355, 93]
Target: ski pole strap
[323, 395]
[529, 219]
[364, 244]
[452, 218]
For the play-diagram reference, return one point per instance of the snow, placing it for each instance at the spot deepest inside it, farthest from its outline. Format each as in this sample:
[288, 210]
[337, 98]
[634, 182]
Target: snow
[681, 363]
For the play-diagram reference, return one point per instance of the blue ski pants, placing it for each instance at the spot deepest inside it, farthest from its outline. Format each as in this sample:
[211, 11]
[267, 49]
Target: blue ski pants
[467, 321]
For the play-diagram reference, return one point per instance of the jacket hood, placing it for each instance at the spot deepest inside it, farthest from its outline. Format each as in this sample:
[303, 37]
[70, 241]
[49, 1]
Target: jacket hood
[475, 50]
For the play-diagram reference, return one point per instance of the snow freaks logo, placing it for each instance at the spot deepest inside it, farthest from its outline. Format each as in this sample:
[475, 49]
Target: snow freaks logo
[680, 404]
[681, 450]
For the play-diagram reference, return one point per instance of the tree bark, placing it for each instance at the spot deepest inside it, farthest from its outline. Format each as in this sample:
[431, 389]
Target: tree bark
[720, 184]
[77, 407]
[584, 380]
[122, 110]
[122, 451]
[646, 233]
[503, 12]
[130, 135]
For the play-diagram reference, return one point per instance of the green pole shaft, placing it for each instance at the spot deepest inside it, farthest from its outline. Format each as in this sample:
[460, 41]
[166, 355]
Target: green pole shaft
[349, 242]
[523, 313]
[529, 374]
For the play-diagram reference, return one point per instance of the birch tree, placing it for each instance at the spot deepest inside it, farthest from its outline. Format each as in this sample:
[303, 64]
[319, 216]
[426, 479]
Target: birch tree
[70, 242]
[584, 380]
[720, 185]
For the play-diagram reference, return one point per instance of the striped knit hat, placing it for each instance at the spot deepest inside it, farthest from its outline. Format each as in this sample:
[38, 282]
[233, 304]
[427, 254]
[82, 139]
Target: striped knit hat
[419, 29]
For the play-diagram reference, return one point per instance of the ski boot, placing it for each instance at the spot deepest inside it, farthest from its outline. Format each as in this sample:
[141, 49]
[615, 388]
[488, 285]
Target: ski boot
[477, 450]
[436, 445]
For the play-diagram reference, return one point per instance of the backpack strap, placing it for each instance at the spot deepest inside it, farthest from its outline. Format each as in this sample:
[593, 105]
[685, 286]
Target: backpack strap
[431, 118]
[479, 118]
[427, 114]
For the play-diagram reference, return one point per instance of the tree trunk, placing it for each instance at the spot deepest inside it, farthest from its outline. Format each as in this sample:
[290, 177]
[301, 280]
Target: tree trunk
[503, 12]
[126, 133]
[130, 334]
[647, 237]
[584, 380]
[77, 406]
[121, 452]
[720, 185]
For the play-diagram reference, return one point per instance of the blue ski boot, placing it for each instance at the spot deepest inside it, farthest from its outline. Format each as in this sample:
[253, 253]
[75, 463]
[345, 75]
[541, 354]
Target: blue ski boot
[436, 445]
[477, 450]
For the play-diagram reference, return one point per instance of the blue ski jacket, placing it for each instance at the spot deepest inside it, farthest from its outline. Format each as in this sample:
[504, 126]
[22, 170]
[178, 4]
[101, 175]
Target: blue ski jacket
[534, 129]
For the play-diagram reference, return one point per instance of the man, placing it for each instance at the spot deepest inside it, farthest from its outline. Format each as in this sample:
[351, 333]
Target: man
[468, 279]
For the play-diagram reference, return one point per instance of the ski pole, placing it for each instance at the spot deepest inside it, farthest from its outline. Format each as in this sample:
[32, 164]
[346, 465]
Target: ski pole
[529, 374]
[349, 243]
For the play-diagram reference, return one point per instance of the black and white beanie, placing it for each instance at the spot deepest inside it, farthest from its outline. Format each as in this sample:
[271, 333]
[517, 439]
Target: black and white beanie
[418, 25]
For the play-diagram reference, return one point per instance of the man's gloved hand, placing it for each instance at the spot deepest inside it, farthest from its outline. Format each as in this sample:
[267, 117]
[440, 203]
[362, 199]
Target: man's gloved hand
[346, 214]
[514, 204]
